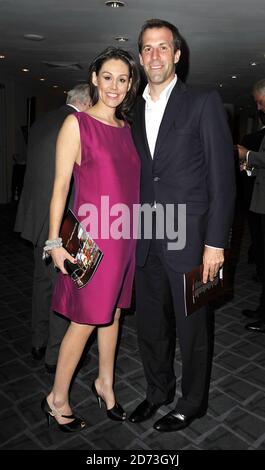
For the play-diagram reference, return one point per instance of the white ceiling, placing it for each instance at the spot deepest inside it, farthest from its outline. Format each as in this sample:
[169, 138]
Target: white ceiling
[223, 37]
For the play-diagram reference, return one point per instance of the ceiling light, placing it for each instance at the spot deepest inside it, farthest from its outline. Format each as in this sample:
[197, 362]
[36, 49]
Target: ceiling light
[115, 4]
[220, 85]
[121, 38]
[62, 65]
[42, 79]
[34, 37]
[234, 77]
[25, 70]
[2, 56]
[253, 64]
[55, 86]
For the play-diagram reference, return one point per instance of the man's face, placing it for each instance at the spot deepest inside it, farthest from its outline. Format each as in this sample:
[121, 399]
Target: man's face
[157, 55]
[260, 101]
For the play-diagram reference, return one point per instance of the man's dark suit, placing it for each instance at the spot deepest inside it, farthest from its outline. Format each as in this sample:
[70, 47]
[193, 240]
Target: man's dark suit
[193, 164]
[252, 142]
[257, 161]
[33, 223]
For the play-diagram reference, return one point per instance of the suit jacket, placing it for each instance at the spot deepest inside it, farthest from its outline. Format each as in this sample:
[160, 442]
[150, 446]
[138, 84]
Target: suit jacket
[253, 141]
[33, 211]
[257, 160]
[193, 164]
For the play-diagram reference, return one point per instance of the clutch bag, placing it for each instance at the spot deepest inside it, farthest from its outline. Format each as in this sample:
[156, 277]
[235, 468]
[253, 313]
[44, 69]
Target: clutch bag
[77, 241]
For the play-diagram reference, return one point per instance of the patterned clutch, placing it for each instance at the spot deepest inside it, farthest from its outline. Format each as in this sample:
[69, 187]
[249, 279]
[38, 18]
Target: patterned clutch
[80, 245]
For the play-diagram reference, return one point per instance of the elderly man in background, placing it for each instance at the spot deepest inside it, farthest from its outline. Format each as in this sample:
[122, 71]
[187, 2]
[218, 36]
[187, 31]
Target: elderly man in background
[255, 162]
[32, 221]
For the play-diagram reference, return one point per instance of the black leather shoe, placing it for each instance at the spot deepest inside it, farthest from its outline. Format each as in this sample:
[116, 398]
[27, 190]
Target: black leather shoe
[174, 421]
[38, 353]
[257, 326]
[251, 313]
[50, 368]
[145, 410]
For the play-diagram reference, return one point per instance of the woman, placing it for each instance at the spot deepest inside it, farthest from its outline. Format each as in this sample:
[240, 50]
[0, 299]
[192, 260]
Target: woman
[97, 147]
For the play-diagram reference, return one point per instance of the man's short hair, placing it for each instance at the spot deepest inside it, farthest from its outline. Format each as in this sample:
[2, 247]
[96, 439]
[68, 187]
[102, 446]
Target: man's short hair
[259, 87]
[78, 93]
[157, 23]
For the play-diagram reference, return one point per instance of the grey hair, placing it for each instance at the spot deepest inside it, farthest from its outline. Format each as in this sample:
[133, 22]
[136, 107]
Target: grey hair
[259, 87]
[78, 93]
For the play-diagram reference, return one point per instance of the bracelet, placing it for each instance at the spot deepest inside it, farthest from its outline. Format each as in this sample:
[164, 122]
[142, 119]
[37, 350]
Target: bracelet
[50, 245]
[56, 243]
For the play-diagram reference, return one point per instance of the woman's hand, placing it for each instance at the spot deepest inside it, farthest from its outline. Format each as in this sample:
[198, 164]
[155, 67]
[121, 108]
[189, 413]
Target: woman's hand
[59, 255]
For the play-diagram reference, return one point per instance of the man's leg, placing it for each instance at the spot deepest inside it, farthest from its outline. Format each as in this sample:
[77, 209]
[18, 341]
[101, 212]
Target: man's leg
[57, 323]
[259, 325]
[194, 345]
[40, 301]
[156, 328]
[48, 328]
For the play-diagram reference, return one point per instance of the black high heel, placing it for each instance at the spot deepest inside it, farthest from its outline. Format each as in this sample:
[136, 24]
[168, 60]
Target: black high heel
[116, 413]
[76, 425]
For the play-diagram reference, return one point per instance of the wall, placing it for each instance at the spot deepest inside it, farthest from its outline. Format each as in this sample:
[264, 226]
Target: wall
[17, 94]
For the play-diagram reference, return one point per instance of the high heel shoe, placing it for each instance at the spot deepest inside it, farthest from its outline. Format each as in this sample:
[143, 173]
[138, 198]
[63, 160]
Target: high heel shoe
[116, 413]
[76, 425]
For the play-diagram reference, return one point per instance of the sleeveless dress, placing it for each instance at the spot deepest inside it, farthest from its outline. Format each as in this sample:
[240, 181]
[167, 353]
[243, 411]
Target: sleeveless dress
[110, 167]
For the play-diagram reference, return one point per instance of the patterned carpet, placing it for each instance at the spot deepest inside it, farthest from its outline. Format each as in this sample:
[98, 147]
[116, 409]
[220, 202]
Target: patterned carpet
[236, 415]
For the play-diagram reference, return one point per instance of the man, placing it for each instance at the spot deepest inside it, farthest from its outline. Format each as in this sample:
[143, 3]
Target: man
[32, 221]
[252, 142]
[186, 154]
[256, 161]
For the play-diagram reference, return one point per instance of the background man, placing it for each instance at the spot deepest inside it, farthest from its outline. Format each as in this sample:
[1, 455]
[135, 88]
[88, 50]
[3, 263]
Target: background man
[256, 161]
[32, 221]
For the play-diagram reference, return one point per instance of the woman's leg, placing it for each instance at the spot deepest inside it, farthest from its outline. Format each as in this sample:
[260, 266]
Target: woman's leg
[70, 353]
[107, 342]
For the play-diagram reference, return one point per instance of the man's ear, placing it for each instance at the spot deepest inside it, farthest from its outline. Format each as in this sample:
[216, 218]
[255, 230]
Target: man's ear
[141, 60]
[177, 56]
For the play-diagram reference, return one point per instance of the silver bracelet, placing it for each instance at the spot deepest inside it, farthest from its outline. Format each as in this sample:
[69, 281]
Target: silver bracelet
[50, 245]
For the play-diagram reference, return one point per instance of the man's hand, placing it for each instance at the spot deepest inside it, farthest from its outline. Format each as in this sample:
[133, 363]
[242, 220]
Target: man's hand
[213, 260]
[242, 152]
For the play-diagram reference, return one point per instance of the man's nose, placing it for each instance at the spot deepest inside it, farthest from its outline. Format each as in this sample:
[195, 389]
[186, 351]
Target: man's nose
[154, 53]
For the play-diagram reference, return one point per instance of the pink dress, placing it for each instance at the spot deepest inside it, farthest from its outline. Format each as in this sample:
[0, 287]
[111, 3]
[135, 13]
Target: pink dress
[110, 167]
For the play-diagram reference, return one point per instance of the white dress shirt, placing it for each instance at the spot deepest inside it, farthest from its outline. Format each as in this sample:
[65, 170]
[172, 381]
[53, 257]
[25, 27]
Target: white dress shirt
[154, 111]
[73, 106]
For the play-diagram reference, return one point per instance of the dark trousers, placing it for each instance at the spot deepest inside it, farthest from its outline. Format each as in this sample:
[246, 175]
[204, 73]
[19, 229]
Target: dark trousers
[48, 328]
[160, 311]
[261, 307]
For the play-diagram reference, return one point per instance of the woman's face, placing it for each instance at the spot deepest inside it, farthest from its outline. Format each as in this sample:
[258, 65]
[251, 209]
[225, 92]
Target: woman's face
[113, 82]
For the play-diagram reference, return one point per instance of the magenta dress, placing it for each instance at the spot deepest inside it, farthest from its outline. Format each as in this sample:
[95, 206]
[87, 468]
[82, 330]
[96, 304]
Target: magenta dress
[110, 167]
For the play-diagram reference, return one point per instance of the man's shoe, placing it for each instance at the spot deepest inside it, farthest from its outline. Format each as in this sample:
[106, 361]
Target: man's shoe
[251, 313]
[50, 368]
[38, 353]
[174, 421]
[145, 410]
[257, 326]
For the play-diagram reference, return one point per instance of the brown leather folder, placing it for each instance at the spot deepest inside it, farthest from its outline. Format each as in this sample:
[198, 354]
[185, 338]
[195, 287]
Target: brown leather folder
[197, 294]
